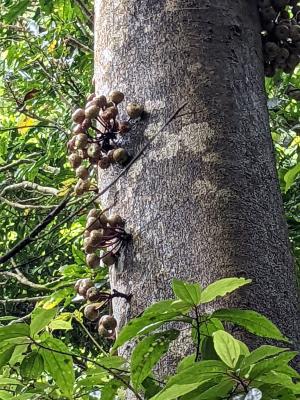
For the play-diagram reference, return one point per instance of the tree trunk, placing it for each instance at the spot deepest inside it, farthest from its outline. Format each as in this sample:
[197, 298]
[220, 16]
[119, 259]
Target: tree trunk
[204, 202]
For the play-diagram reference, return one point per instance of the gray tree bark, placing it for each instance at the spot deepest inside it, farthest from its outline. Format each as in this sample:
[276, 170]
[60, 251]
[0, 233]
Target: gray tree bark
[204, 202]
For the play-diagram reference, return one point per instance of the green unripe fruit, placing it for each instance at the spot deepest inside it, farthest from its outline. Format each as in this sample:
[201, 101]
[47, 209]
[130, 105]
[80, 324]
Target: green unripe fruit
[120, 155]
[94, 150]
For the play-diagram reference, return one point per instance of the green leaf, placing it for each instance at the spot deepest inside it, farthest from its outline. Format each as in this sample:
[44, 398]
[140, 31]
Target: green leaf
[14, 331]
[40, 318]
[222, 287]
[168, 306]
[175, 391]
[60, 324]
[220, 390]
[147, 353]
[9, 381]
[32, 366]
[252, 321]
[16, 10]
[148, 322]
[290, 176]
[227, 348]
[190, 378]
[264, 366]
[259, 354]
[5, 355]
[59, 365]
[109, 391]
[277, 378]
[189, 293]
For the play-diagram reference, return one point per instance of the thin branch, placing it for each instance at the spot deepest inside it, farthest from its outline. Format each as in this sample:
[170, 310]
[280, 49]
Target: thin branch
[23, 280]
[29, 239]
[15, 164]
[75, 43]
[23, 300]
[30, 186]
[27, 126]
[24, 206]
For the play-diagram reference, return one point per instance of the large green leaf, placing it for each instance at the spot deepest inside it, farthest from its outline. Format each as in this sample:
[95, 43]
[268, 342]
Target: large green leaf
[220, 390]
[5, 354]
[252, 321]
[221, 288]
[175, 391]
[190, 378]
[40, 318]
[259, 354]
[14, 331]
[32, 366]
[58, 364]
[147, 353]
[227, 348]
[189, 293]
[16, 11]
[291, 175]
[148, 322]
[264, 366]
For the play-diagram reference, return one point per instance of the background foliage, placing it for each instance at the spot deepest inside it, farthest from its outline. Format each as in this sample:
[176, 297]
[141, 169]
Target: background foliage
[46, 71]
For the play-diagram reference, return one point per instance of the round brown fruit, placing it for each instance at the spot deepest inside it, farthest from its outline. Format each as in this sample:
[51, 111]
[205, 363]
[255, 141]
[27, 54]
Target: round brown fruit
[94, 150]
[74, 160]
[90, 312]
[84, 184]
[88, 248]
[77, 284]
[108, 322]
[85, 284]
[94, 212]
[93, 223]
[134, 110]
[96, 236]
[78, 115]
[104, 163]
[116, 96]
[77, 129]
[71, 145]
[86, 124]
[107, 115]
[81, 140]
[82, 172]
[90, 97]
[295, 33]
[100, 101]
[92, 260]
[103, 332]
[92, 111]
[282, 32]
[93, 294]
[120, 155]
[109, 259]
[115, 220]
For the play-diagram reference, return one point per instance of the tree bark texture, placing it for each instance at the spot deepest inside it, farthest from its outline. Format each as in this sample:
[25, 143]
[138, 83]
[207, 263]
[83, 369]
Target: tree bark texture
[203, 203]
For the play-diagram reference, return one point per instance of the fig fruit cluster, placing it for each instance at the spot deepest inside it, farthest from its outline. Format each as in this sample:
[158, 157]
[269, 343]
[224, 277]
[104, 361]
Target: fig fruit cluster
[106, 324]
[103, 237]
[280, 34]
[96, 136]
